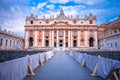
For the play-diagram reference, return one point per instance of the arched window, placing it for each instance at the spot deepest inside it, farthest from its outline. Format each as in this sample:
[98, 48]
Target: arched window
[30, 41]
[91, 42]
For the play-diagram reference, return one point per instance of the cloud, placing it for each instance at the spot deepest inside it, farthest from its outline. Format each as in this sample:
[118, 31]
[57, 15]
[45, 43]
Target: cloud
[16, 25]
[89, 2]
[51, 6]
[73, 9]
[14, 19]
[59, 1]
[93, 11]
[41, 5]
[47, 13]
[37, 9]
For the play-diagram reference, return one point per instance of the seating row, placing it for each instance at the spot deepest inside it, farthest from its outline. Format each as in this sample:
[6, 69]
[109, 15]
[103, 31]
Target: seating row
[97, 65]
[107, 54]
[17, 69]
[10, 55]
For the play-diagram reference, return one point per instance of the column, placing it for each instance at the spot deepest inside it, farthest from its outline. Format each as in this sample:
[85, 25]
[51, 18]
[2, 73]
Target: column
[96, 39]
[35, 38]
[43, 40]
[52, 38]
[57, 39]
[69, 38]
[64, 40]
[86, 38]
[26, 40]
[78, 38]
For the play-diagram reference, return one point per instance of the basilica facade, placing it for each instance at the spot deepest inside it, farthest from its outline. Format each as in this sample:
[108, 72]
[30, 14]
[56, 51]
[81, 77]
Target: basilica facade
[61, 31]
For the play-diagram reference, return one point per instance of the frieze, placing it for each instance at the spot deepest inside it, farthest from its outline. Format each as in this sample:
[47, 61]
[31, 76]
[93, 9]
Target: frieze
[66, 25]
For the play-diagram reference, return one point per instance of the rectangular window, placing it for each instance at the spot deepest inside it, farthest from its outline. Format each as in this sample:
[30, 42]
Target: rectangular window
[30, 32]
[66, 44]
[46, 33]
[115, 44]
[60, 33]
[75, 33]
[66, 33]
[90, 22]
[6, 42]
[31, 22]
[111, 44]
[55, 33]
[47, 21]
[91, 33]
[1, 41]
[10, 43]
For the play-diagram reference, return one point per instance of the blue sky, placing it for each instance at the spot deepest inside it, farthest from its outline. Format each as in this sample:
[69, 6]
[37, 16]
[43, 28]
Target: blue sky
[14, 12]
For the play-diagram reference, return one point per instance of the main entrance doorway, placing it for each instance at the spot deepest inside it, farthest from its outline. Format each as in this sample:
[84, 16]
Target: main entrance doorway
[60, 43]
[91, 42]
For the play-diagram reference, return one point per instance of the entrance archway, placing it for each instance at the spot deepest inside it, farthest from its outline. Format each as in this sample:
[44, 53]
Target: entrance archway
[47, 43]
[60, 43]
[30, 41]
[91, 42]
[74, 43]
